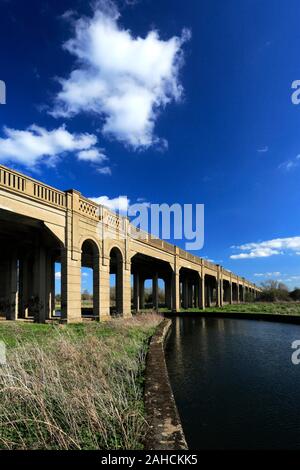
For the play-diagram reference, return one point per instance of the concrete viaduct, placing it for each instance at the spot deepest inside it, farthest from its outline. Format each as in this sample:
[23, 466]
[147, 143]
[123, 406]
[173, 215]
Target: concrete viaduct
[40, 226]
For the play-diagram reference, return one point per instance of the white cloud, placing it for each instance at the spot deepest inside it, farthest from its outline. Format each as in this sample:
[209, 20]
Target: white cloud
[117, 204]
[92, 155]
[263, 149]
[58, 275]
[120, 204]
[274, 274]
[36, 145]
[105, 170]
[125, 80]
[290, 164]
[268, 248]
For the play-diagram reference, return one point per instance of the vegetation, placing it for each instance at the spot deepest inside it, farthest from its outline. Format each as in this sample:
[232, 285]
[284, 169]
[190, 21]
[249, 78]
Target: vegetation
[279, 308]
[74, 387]
[274, 291]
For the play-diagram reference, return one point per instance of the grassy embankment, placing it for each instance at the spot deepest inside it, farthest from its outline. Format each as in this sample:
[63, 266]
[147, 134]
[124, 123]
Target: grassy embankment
[276, 308]
[74, 387]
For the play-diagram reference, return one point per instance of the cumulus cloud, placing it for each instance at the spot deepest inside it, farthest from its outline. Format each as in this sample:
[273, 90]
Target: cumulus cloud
[274, 274]
[105, 170]
[268, 248]
[36, 145]
[120, 204]
[125, 80]
[290, 164]
[263, 149]
[92, 155]
[117, 204]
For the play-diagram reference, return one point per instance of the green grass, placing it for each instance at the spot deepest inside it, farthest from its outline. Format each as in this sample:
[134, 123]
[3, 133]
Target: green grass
[277, 308]
[74, 386]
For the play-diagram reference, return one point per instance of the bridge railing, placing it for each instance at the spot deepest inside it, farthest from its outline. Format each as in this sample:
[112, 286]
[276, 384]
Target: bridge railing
[12, 180]
[113, 220]
[48, 194]
[16, 182]
[89, 208]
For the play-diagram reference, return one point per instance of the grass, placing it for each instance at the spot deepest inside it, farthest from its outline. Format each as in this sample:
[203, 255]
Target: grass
[278, 308]
[76, 386]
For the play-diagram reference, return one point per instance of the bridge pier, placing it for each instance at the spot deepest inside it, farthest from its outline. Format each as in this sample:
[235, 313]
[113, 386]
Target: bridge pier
[70, 287]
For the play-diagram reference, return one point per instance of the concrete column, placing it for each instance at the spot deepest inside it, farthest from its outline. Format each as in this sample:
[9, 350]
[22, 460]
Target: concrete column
[50, 292]
[209, 293]
[142, 293]
[155, 291]
[52, 300]
[96, 286]
[13, 294]
[41, 297]
[238, 293]
[126, 291]
[136, 292]
[196, 294]
[218, 293]
[24, 279]
[190, 294]
[230, 293]
[185, 293]
[71, 287]
[119, 288]
[105, 290]
[221, 289]
[175, 291]
[168, 293]
[202, 293]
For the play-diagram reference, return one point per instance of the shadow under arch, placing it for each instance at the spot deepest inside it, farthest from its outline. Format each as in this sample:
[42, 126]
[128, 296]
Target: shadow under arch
[116, 290]
[90, 258]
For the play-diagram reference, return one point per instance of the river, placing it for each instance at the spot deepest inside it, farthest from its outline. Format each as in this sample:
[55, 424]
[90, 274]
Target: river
[234, 383]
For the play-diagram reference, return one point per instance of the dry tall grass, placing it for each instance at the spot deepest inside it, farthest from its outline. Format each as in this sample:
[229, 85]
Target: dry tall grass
[77, 391]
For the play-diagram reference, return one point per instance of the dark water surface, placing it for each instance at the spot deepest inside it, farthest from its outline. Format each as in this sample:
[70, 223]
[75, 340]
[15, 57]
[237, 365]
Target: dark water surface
[234, 383]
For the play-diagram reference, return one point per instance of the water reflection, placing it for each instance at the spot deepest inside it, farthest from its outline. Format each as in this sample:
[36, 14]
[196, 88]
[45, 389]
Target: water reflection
[234, 383]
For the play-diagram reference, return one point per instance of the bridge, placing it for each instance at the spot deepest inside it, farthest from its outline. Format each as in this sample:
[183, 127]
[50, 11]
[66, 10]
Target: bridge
[41, 226]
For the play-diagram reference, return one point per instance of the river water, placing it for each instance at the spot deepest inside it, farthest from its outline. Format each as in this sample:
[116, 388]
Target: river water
[234, 383]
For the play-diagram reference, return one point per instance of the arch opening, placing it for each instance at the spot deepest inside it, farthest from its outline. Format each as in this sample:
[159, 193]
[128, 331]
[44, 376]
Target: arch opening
[116, 282]
[90, 280]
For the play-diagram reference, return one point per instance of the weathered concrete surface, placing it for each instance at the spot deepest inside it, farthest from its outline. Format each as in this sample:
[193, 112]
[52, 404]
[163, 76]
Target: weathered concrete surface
[165, 429]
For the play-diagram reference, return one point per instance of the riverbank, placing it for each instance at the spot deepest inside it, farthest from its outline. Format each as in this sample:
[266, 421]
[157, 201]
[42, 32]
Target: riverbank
[74, 386]
[165, 429]
[275, 308]
[287, 312]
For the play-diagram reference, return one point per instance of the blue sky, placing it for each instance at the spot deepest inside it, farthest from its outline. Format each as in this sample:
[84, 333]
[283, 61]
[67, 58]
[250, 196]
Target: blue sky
[209, 121]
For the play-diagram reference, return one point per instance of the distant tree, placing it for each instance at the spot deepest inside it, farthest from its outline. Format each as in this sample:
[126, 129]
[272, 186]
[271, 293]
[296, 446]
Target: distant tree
[295, 294]
[274, 291]
[86, 295]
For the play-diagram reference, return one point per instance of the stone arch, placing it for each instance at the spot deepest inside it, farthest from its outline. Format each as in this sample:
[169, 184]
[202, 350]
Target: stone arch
[93, 240]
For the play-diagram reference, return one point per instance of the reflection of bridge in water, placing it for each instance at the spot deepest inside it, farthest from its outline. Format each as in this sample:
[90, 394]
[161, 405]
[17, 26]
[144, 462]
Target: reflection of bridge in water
[40, 226]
